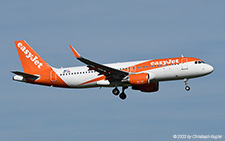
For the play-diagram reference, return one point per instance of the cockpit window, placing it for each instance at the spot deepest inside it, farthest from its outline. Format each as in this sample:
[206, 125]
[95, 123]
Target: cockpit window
[199, 62]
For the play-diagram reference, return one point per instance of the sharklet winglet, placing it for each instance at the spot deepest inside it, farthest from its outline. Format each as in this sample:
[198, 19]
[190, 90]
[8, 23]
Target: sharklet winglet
[76, 54]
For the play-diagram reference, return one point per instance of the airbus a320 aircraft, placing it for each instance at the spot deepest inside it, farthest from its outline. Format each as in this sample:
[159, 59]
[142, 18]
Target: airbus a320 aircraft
[140, 75]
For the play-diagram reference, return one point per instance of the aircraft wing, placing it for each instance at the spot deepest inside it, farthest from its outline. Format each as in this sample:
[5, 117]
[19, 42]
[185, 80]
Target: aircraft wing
[111, 74]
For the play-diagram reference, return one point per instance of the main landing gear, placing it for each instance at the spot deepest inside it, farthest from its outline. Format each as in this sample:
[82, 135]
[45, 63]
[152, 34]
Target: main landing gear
[122, 95]
[187, 88]
[116, 91]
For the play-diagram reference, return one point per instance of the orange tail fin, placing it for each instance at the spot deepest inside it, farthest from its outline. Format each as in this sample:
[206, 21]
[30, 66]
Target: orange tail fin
[32, 63]
[36, 70]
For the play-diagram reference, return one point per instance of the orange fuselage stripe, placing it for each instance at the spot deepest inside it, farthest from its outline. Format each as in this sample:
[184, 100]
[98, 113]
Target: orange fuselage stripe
[94, 80]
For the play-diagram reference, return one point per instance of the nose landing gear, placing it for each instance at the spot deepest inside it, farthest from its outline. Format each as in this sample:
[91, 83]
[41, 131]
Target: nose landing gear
[122, 95]
[187, 88]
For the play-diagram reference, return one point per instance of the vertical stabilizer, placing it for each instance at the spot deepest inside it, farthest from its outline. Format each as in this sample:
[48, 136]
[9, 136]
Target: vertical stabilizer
[36, 70]
[32, 63]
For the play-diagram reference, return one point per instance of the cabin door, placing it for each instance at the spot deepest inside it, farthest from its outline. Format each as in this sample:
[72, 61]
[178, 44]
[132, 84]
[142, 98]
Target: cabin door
[53, 77]
[184, 64]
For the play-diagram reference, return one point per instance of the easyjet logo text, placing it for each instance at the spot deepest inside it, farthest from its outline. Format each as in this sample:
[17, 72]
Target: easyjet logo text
[30, 56]
[170, 61]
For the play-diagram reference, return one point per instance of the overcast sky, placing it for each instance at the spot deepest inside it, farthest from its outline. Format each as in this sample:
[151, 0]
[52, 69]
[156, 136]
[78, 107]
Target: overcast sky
[106, 32]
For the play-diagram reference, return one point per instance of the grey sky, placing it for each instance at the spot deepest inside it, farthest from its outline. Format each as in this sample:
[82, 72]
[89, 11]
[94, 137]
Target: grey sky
[108, 32]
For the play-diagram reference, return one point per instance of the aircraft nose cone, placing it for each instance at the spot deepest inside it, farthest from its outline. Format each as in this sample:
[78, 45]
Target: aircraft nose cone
[210, 69]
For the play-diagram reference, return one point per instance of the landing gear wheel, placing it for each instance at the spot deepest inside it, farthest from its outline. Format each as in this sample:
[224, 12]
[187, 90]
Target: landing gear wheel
[115, 91]
[123, 96]
[187, 88]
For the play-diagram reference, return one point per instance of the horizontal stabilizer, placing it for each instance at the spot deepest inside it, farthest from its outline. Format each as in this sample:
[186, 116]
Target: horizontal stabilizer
[26, 75]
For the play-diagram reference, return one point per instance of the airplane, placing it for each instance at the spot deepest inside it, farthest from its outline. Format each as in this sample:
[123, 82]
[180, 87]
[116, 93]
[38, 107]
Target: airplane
[139, 75]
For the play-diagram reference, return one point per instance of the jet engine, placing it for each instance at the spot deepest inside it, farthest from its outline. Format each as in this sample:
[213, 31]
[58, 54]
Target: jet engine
[139, 79]
[152, 87]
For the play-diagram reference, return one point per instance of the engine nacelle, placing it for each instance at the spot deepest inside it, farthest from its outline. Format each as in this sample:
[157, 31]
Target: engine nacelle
[139, 79]
[152, 87]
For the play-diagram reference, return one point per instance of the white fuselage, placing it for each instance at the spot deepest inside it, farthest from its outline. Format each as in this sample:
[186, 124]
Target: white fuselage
[82, 77]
